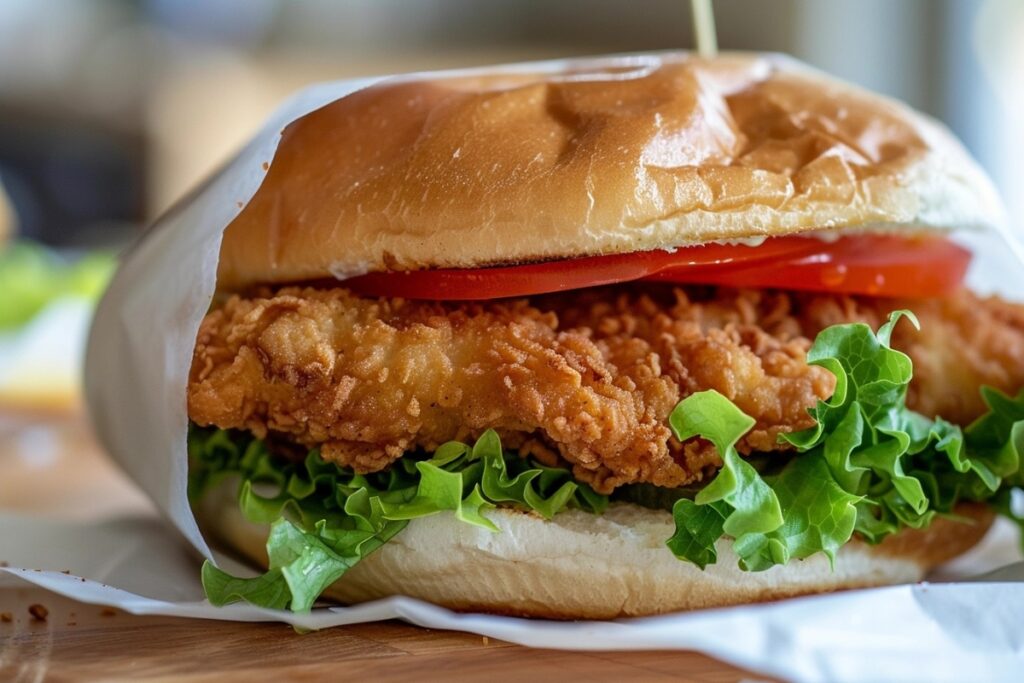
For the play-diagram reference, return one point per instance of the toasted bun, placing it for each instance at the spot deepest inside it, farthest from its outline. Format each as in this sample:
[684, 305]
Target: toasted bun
[581, 566]
[608, 155]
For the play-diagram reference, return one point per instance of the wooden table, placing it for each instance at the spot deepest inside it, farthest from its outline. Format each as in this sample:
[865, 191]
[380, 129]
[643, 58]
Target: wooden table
[78, 642]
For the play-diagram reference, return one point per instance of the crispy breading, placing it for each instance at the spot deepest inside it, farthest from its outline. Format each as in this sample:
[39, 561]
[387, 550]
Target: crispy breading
[371, 380]
[715, 340]
[587, 377]
[965, 342]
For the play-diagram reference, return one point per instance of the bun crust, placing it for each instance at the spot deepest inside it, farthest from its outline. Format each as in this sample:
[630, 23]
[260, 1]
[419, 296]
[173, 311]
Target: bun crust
[581, 566]
[607, 155]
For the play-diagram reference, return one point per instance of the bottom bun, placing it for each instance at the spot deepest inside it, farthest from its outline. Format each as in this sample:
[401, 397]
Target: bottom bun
[584, 566]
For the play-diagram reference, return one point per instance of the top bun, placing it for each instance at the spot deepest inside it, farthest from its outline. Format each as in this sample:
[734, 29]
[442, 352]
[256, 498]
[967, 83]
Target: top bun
[597, 156]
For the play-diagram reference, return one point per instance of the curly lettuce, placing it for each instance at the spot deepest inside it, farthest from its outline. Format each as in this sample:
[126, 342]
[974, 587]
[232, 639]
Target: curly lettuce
[869, 466]
[324, 519]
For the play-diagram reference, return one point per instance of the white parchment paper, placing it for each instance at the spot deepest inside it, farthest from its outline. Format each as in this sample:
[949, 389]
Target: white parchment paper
[955, 632]
[136, 372]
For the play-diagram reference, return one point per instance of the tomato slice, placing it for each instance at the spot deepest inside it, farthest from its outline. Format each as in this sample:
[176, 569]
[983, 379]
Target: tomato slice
[877, 265]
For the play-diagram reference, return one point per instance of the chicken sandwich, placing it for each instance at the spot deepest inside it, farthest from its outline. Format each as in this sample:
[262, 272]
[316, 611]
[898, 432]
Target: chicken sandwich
[637, 336]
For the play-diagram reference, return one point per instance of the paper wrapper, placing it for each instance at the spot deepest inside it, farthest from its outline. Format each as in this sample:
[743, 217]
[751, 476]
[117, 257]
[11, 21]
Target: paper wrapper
[136, 373]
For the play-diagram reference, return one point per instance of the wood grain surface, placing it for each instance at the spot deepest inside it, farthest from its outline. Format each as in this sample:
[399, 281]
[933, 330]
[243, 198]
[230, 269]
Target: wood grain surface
[77, 642]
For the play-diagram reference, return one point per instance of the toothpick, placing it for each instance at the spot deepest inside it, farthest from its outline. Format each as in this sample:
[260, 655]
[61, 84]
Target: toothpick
[704, 28]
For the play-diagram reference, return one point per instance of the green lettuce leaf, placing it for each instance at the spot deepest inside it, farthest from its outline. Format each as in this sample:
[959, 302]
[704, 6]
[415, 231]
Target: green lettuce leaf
[325, 519]
[868, 465]
[698, 528]
[306, 561]
[773, 519]
[752, 505]
[819, 516]
[267, 590]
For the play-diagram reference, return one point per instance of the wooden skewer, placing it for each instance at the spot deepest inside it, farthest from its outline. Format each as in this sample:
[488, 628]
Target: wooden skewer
[704, 28]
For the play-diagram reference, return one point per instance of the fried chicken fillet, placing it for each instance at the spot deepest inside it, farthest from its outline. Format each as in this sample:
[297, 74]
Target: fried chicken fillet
[588, 378]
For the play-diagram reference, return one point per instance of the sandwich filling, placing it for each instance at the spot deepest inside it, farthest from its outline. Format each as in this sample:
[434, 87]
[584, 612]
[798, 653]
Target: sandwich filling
[787, 422]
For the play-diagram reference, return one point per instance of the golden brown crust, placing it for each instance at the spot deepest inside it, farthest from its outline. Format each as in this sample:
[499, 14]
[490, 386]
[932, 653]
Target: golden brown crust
[613, 155]
[586, 377]
[369, 380]
[964, 342]
[748, 345]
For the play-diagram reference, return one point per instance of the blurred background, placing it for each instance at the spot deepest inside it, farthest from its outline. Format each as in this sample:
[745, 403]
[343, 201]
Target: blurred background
[111, 109]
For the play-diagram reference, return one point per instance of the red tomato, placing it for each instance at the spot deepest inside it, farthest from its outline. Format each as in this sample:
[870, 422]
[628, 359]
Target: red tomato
[878, 265]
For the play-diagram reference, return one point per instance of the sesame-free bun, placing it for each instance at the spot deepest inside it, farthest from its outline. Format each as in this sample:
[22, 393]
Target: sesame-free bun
[607, 155]
[583, 566]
